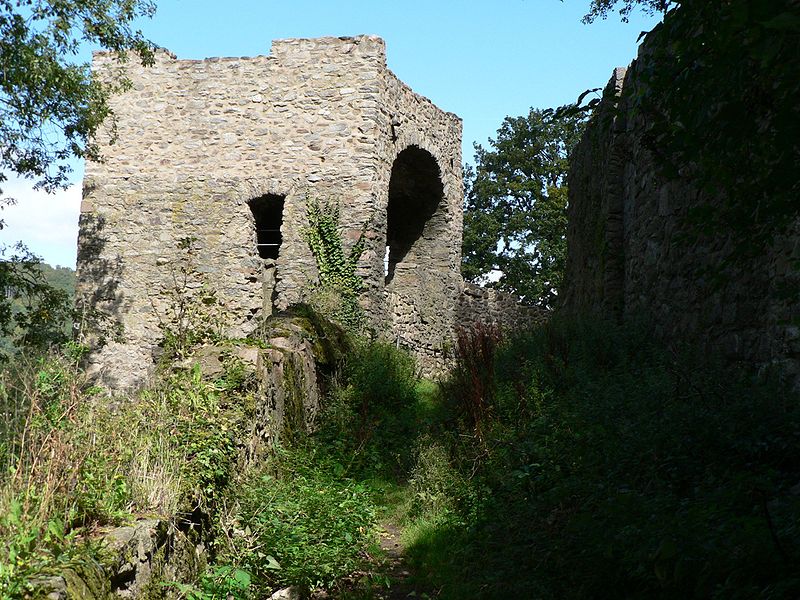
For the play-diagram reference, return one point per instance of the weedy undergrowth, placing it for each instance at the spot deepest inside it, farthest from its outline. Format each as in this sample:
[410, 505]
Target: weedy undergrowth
[298, 522]
[470, 382]
[307, 516]
[371, 414]
[610, 467]
[193, 313]
[73, 458]
[57, 474]
[222, 581]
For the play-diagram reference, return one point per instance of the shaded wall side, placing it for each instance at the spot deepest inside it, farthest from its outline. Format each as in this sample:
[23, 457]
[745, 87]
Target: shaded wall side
[672, 274]
[423, 320]
[595, 257]
[196, 141]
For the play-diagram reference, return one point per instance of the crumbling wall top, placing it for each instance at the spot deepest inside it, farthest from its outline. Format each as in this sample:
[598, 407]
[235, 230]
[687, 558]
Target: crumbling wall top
[288, 48]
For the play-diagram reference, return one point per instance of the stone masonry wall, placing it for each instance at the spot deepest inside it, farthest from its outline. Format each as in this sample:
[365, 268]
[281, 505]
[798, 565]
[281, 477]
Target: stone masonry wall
[198, 139]
[492, 307]
[420, 302]
[630, 255]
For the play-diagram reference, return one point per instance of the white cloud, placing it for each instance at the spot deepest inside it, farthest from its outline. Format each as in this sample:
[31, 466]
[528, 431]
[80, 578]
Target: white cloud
[46, 223]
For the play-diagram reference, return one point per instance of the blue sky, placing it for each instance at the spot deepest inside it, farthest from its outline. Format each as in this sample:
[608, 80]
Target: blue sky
[481, 59]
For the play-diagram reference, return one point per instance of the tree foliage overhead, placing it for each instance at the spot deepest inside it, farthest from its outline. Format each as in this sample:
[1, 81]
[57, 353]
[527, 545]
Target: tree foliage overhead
[50, 105]
[720, 89]
[515, 205]
[601, 8]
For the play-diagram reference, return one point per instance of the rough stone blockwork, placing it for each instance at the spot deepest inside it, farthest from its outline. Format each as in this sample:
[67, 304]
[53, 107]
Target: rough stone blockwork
[487, 306]
[224, 152]
[629, 256]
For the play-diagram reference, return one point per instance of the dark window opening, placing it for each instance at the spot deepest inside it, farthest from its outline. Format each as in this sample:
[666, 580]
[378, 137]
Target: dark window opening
[268, 217]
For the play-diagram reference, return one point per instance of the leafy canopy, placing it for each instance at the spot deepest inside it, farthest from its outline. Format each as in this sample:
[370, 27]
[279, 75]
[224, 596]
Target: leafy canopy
[515, 202]
[50, 109]
[720, 91]
[50, 105]
[601, 8]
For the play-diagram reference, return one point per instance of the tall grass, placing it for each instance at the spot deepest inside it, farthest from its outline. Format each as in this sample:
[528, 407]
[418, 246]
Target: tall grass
[74, 459]
[52, 479]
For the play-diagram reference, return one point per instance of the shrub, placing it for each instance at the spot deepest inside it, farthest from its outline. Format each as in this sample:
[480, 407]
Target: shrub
[617, 469]
[371, 413]
[194, 313]
[470, 385]
[34, 315]
[299, 523]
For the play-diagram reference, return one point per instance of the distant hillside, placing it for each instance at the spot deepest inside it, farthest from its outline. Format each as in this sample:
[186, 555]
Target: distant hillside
[60, 278]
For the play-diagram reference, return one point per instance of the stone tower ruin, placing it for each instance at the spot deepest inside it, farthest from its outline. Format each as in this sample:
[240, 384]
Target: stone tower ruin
[223, 154]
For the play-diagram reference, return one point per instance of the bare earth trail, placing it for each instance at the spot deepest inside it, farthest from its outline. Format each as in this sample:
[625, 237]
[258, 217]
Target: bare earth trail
[392, 566]
[402, 586]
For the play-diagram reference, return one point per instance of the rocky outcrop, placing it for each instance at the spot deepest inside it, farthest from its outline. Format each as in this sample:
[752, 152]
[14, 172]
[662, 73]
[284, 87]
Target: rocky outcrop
[298, 349]
[285, 365]
[141, 556]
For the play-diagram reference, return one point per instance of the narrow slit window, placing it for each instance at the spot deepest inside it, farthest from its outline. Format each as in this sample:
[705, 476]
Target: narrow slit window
[268, 218]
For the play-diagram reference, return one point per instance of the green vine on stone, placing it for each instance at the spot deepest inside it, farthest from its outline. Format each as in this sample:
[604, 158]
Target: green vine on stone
[339, 282]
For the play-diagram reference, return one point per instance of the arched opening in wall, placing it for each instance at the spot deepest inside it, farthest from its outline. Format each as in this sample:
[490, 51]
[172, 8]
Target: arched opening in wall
[416, 216]
[268, 218]
[267, 213]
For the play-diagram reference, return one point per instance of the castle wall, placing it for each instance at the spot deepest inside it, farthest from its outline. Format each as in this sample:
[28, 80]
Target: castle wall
[488, 306]
[196, 140]
[421, 299]
[633, 254]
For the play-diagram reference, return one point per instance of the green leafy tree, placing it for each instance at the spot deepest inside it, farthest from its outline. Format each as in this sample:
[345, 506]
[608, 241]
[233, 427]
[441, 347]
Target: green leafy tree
[34, 313]
[50, 105]
[515, 219]
[601, 8]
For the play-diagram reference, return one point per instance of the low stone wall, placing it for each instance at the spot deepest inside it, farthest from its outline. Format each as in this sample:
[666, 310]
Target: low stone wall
[492, 307]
